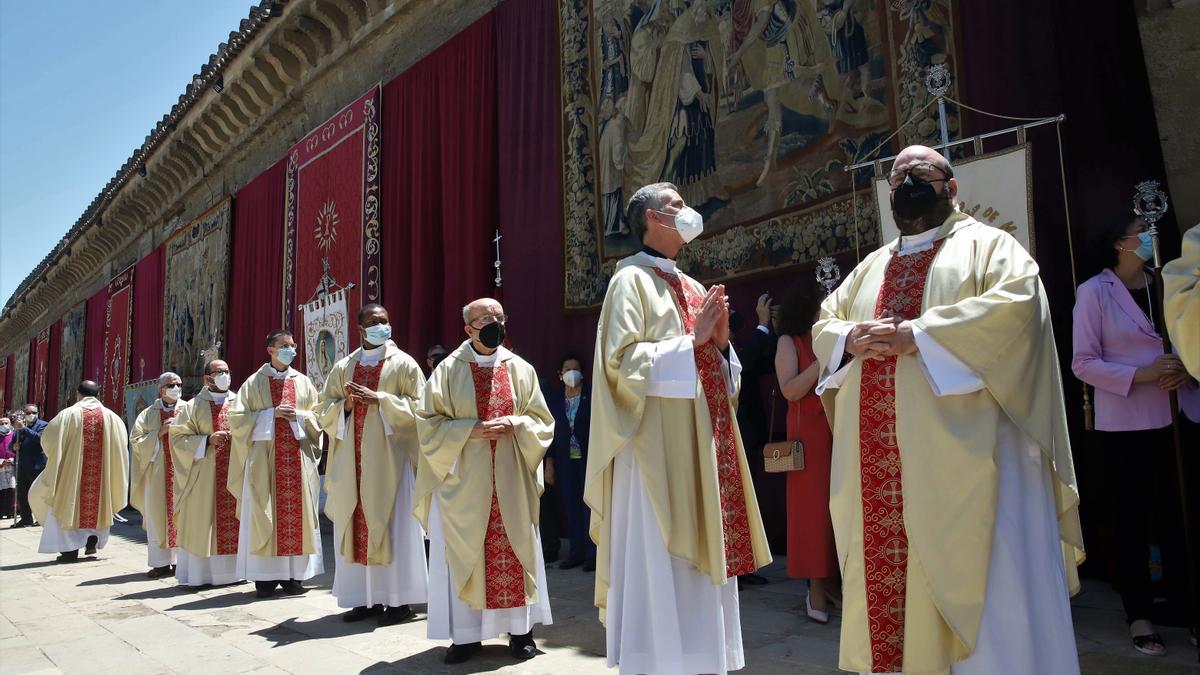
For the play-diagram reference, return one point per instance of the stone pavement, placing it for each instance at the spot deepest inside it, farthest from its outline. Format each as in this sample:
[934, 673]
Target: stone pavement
[104, 616]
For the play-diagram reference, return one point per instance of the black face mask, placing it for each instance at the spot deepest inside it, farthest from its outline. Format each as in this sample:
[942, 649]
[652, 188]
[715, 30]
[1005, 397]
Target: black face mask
[915, 198]
[492, 335]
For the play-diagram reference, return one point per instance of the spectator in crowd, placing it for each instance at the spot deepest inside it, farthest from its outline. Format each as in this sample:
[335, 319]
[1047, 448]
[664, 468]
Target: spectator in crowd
[8, 470]
[569, 398]
[810, 546]
[30, 459]
[1118, 350]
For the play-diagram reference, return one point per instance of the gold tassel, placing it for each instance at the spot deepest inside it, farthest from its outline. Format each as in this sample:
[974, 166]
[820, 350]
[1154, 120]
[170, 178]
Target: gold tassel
[1089, 421]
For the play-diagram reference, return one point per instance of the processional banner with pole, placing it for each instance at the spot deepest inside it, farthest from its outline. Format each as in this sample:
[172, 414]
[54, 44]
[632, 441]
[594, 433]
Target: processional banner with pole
[115, 368]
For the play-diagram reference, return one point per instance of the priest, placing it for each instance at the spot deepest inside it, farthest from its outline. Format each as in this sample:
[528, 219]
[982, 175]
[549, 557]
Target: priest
[1181, 301]
[206, 514]
[273, 473]
[155, 483]
[368, 408]
[952, 492]
[674, 514]
[86, 477]
[484, 427]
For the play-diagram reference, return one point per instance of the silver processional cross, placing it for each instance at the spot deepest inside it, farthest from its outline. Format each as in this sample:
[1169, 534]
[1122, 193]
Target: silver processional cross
[498, 280]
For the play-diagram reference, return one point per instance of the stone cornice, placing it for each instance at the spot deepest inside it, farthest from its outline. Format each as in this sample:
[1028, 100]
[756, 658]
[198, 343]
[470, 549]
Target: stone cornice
[205, 147]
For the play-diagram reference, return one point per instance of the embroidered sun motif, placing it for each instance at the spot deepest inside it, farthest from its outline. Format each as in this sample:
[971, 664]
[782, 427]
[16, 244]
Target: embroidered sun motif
[325, 231]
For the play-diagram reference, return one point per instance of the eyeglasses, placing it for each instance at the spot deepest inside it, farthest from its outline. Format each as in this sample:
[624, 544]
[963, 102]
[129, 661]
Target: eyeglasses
[926, 171]
[482, 321]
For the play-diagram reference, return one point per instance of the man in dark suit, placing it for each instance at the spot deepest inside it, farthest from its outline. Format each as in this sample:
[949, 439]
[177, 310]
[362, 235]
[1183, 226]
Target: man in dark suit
[756, 350]
[570, 401]
[30, 459]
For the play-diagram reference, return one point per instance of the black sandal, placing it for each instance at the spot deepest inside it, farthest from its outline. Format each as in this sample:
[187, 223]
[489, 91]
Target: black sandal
[1142, 644]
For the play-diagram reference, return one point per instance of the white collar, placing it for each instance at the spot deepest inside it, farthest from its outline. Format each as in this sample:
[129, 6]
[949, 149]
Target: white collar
[278, 375]
[377, 351]
[488, 360]
[910, 244]
[218, 396]
[665, 264]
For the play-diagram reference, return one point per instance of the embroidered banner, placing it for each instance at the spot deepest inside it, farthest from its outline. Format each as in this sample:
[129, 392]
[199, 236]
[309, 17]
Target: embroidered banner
[996, 189]
[326, 335]
[138, 397]
[70, 367]
[331, 212]
[115, 367]
[19, 394]
[196, 292]
[752, 107]
[4, 386]
[41, 365]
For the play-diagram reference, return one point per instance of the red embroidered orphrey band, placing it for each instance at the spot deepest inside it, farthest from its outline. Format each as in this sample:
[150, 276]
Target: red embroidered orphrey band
[92, 473]
[735, 522]
[225, 521]
[165, 417]
[289, 476]
[504, 577]
[885, 542]
[367, 376]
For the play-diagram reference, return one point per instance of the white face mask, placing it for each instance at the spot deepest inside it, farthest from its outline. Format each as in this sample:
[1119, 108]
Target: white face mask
[285, 355]
[572, 378]
[688, 223]
[172, 393]
[30, 418]
[221, 381]
[5, 429]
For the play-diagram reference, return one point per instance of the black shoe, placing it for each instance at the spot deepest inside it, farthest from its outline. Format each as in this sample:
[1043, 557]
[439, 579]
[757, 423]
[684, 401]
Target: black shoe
[522, 646]
[159, 572]
[67, 557]
[91, 545]
[394, 615]
[264, 589]
[292, 587]
[462, 653]
[590, 565]
[358, 614]
[20, 524]
[571, 563]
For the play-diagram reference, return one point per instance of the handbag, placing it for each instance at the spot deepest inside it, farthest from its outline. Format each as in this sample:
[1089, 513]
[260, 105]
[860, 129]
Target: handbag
[781, 456]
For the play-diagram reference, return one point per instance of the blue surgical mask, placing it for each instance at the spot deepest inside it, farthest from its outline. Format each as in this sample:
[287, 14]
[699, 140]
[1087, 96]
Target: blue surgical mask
[285, 355]
[1145, 249]
[378, 334]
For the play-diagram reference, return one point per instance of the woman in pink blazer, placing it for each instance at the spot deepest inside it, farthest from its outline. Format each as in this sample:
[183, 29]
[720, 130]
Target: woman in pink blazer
[1118, 350]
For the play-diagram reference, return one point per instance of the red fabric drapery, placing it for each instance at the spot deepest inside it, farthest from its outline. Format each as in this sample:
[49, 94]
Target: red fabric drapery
[117, 324]
[6, 368]
[39, 363]
[439, 188]
[145, 349]
[93, 335]
[52, 370]
[256, 270]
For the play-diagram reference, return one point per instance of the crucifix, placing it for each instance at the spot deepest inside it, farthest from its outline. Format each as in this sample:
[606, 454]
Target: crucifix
[498, 281]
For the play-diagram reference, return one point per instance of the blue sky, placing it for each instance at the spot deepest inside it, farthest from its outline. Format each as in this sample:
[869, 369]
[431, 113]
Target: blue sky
[81, 84]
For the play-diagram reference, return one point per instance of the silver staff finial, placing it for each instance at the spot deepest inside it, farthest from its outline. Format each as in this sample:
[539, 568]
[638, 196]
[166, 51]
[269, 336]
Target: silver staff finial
[828, 273]
[1150, 203]
[937, 80]
[498, 281]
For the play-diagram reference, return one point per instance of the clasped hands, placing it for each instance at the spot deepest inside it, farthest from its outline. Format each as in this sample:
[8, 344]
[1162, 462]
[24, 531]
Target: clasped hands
[492, 430]
[712, 323]
[356, 393]
[881, 338]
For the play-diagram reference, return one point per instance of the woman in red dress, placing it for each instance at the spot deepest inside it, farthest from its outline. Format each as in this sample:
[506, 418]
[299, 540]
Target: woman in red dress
[810, 547]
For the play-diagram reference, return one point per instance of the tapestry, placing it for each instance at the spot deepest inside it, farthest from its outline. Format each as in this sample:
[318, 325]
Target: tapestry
[70, 367]
[195, 299]
[753, 108]
[115, 365]
[331, 212]
[996, 189]
[41, 361]
[326, 335]
[20, 377]
[4, 386]
[138, 397]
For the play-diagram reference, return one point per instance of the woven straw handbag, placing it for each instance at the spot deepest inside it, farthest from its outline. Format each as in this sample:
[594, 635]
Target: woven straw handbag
[781, 456]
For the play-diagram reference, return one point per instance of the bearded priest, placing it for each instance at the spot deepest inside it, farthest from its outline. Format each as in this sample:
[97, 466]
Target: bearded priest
[952, 490]
[155, 483]
[206, 513]
[368, 408]
[484, 428]
[86, 477]
[273, 473]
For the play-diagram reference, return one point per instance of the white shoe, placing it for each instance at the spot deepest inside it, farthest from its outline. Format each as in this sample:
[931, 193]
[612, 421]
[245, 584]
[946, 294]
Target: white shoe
[815, 615]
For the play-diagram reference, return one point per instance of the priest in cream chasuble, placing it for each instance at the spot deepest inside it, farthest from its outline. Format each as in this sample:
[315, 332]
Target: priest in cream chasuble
[367, 408]
[1181, 301]
[206, 515]
[86, 478]
[674, 513]
[155, 483]
[273, 473]
[484, 428]
[952, 489]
